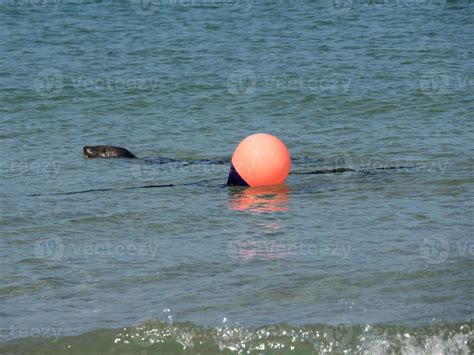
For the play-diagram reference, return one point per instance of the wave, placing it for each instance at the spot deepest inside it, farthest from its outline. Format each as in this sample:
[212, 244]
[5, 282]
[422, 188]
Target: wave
[157, 337]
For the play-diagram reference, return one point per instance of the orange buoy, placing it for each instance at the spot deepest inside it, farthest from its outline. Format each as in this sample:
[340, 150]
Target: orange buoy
[260, 160]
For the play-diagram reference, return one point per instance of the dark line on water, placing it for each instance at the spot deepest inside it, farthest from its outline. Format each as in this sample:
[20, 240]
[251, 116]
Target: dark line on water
[101, 190]
[396, 167]
[199, 183]
[343, 170]
[324, 171]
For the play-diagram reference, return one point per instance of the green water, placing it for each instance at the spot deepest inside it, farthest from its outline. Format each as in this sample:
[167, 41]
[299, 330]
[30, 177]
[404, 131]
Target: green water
[370, 261]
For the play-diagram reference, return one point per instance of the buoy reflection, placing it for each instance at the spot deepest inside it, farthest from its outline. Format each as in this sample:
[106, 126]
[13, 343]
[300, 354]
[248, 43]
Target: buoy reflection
[260, 199]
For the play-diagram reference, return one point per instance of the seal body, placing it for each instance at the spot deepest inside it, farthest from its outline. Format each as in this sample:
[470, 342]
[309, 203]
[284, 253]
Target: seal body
[107, 151]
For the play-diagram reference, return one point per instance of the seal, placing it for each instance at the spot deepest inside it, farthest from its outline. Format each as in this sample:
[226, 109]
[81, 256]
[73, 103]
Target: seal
[107, 151]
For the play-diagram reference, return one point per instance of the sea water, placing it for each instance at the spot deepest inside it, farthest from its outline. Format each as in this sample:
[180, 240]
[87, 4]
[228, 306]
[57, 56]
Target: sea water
[377, 260]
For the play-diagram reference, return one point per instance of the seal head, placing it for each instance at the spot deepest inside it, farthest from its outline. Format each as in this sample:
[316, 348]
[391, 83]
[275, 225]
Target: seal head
[107, 151]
